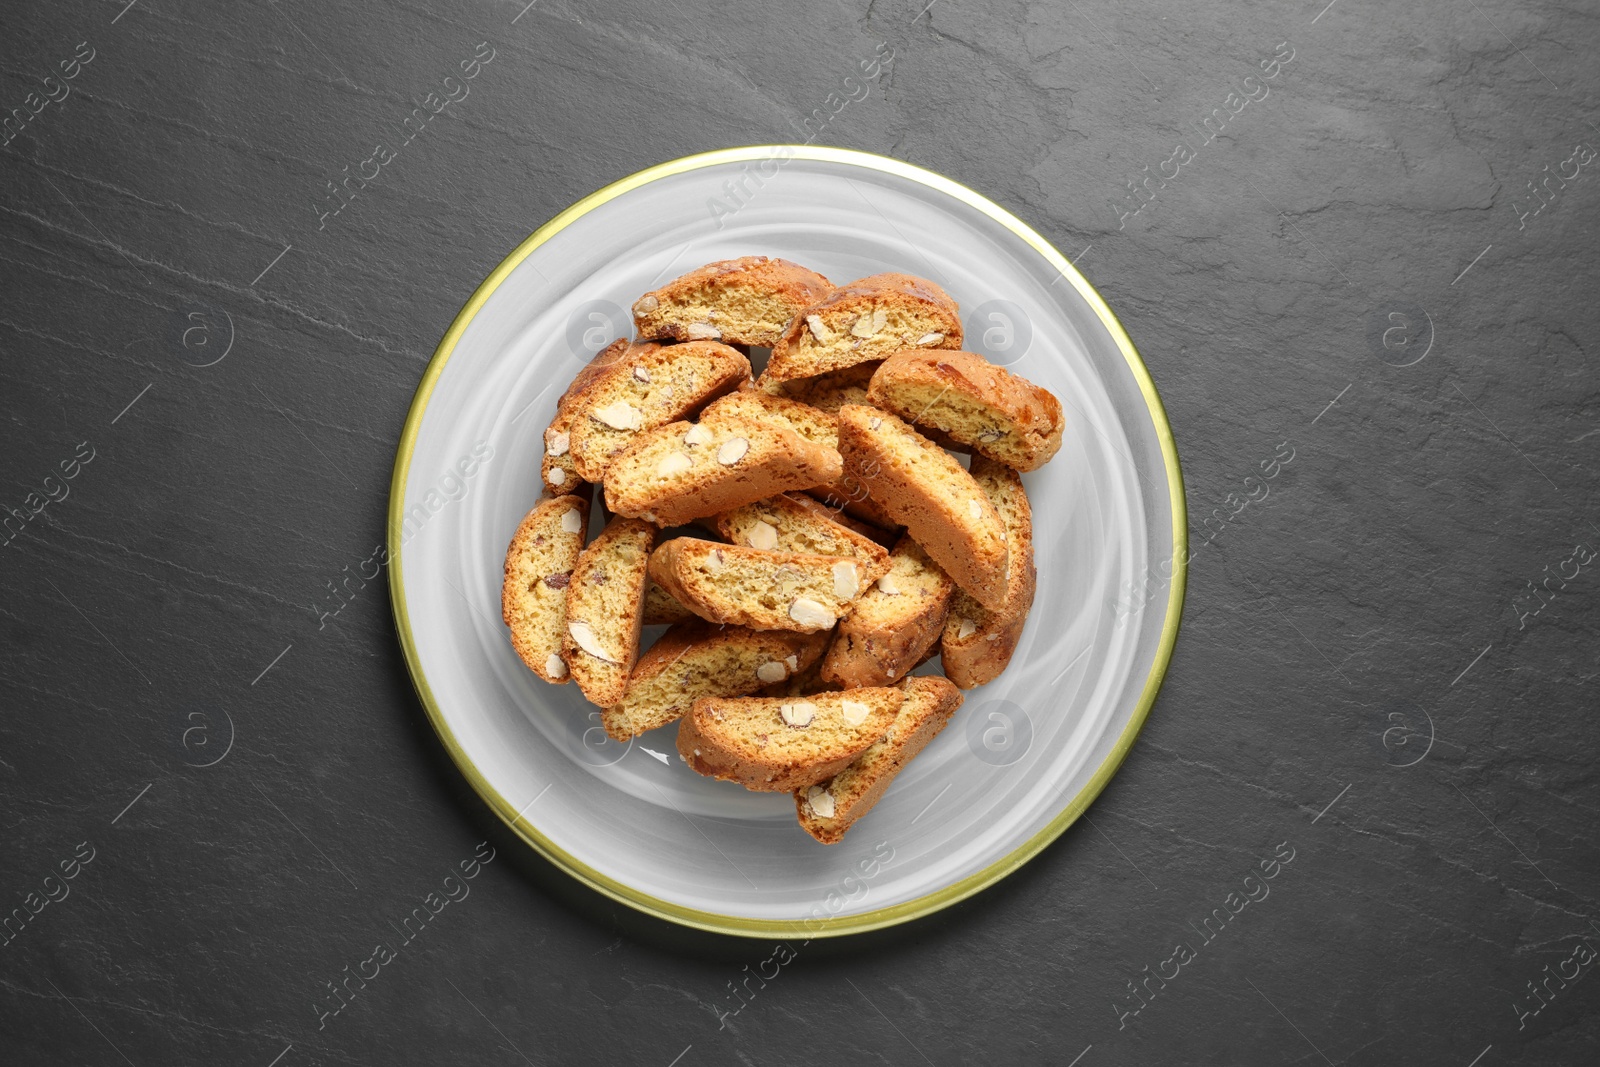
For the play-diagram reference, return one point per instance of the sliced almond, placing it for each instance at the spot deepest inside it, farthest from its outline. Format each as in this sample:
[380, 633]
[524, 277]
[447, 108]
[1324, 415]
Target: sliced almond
[698, 435]
[930, 339]
[673, 463]
[714, 560]
[854, 712]
[818, 330]
[703, 331]
[965, 628]
[870, 323]
[809, 613]
[888, 586]
[793, 661]
[820, 801]
[990, 436]
[571, 521]
[619, 415]
[641, 375]
[557, 476]
[763, 535]
[645, 304]
[732, 451]
[555, 666]
[846, 580]
[975, 509]
[557, 442]
[874, 423]
[584, 637]
[799, 714]
[771, 671]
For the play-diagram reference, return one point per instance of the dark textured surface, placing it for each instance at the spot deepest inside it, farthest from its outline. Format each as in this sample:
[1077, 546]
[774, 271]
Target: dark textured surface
[1367, 605]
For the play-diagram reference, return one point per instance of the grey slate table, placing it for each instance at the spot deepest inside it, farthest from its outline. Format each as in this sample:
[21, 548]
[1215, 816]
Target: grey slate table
[1378, 261]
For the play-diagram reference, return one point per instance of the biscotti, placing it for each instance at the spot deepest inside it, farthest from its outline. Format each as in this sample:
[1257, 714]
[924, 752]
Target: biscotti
[866, 319]
[764, 590]
[745, 301]
[650, 386]
[932, 495]
[780, 744]
[894, 624]
[826, 810]
[697, 659]
[987, 408]
[978, 643]
[796, 523]
[605, 609]
[533, 597]
[683, 471]
[852, 515]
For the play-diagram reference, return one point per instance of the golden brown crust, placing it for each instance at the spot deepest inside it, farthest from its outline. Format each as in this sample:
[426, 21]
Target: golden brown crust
[986, 408]
[779, 744]
[748, 301]
[605, 609]
[651, 385]
[695, 659]
[933, 496]
[865, 320]
[764, 590]
[895, 624]
[679, 472]
[977, 643]
[533, 596]
[928, 706]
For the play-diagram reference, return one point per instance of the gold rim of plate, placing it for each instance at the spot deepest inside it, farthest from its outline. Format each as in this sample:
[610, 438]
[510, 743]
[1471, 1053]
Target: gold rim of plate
[781, 928]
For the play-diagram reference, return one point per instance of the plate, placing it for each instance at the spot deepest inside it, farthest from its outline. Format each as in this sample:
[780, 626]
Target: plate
[1022, 758]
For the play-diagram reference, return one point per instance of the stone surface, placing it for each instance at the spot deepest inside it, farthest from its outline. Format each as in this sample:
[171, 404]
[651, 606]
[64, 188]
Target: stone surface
[164, 613]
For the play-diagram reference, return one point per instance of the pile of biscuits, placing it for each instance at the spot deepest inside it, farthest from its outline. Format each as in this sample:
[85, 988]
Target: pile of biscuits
[810, 536]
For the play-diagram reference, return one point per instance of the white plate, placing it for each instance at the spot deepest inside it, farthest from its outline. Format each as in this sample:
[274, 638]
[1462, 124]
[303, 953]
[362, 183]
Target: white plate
[1022, 758]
